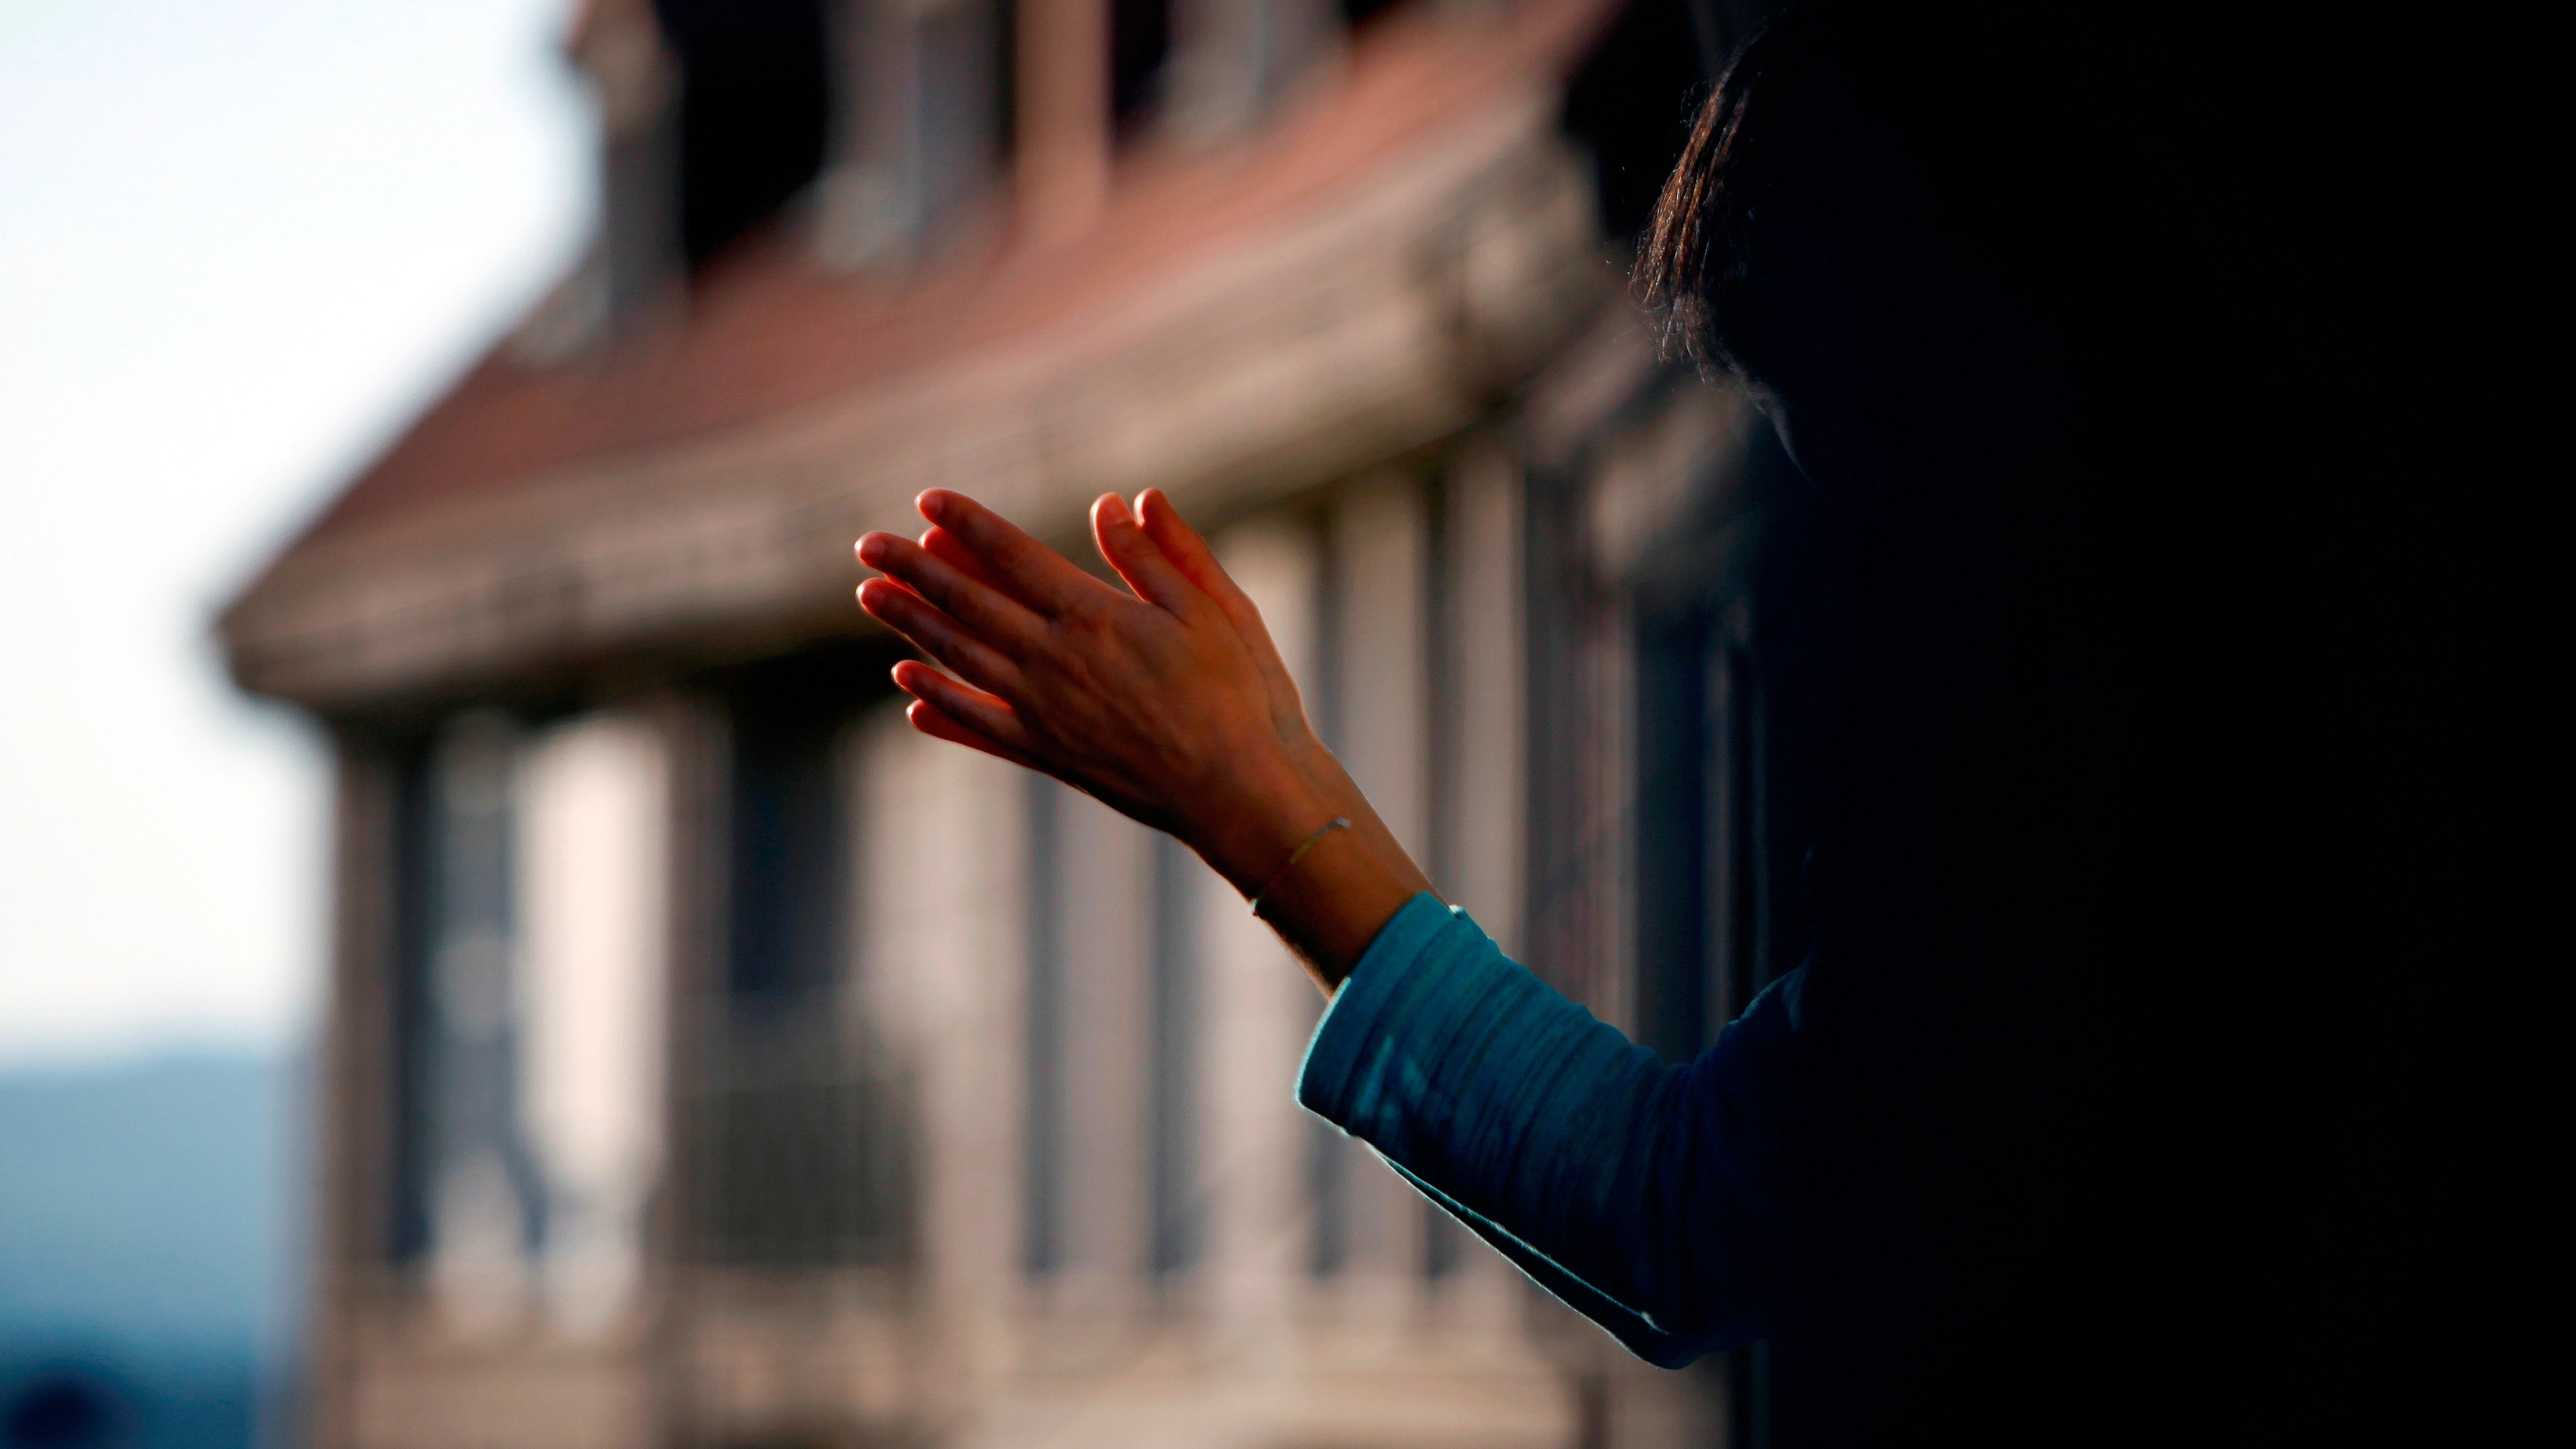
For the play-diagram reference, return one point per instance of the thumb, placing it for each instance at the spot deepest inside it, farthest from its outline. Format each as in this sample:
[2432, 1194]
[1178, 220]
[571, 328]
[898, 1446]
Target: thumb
[1137, 559]
[1189, 553]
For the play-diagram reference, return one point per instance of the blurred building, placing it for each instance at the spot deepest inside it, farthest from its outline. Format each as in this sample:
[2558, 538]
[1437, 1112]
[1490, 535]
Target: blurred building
[712, 1061]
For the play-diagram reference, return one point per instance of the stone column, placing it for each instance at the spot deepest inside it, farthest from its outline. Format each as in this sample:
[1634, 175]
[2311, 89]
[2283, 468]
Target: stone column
[592, 869]
[1380, 727]
[1483, 805]
[357, 1087]
[697, 740]
[872, 204]
[1260, 1009]
[1483, 674]
[938, 939]
[1234, 60]
[1064, 129]
[619, 49]
[1102, 947]
[917, 86]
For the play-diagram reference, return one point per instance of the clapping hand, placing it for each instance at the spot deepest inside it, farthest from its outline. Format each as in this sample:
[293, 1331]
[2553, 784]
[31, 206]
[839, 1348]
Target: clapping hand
[1165, 700]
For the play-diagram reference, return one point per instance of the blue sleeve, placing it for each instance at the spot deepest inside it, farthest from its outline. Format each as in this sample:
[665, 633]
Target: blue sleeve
[1650, 1198]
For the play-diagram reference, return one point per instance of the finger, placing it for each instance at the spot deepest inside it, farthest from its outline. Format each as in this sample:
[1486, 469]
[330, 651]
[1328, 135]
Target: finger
[991, 615]
[949, 549]
[1191, 555]
[928, 718]
[1020, 566]
[939, 636]
[1197, 562]
[1137, 560]
[988, 714]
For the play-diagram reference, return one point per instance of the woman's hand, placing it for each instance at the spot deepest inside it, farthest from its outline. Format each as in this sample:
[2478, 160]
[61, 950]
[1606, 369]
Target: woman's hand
[1170, 704]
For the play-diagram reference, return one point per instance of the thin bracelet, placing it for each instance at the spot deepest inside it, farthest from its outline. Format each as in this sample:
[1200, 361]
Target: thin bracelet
[1338, 822]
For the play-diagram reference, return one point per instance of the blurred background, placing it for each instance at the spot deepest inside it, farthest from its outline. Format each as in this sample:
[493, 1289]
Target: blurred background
[485, 964]
[239, 245]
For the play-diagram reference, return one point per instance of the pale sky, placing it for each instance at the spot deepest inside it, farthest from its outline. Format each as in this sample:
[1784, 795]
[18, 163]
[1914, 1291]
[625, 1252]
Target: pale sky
[241, 243]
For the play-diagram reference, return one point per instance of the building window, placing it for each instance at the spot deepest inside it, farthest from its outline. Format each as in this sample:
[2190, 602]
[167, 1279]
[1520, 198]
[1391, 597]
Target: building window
[753, 112]
[533, 876]
[1092, 1081]
[481, 1199]
[1140, 43]
[1697, 820]
[803, 1127]
[920, 101]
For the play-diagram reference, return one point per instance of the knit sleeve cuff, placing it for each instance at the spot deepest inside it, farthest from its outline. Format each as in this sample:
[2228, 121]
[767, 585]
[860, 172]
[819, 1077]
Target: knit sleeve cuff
[1404, 994]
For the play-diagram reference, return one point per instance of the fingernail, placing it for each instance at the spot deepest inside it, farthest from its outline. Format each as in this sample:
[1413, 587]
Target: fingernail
[1118, 508]
[932, 503]
[872, 550]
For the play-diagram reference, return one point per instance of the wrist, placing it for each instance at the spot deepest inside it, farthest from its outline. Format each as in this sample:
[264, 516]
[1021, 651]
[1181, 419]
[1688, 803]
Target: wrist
[1271, 808]
[1330, 901]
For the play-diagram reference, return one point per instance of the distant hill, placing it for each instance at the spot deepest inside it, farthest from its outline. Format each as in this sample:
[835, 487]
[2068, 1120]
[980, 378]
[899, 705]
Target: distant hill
[146, 1247]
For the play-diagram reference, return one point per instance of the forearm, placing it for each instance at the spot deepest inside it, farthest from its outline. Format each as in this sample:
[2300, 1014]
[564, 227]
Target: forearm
[1653, 1188]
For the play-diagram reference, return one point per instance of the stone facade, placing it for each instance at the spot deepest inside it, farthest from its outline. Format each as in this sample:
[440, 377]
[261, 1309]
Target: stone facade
[711, 1061]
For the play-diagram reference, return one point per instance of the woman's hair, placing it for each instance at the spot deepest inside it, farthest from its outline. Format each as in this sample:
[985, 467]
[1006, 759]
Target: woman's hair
[1697, 244]
[1874, 139]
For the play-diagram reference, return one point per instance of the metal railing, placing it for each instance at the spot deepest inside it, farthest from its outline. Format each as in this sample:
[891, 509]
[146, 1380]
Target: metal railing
[801, 1138]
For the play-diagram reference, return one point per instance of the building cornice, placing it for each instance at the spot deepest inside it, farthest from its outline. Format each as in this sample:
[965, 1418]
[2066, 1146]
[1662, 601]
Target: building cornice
[1381, 316]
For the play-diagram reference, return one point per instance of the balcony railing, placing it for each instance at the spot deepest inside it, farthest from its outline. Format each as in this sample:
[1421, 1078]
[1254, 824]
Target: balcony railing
[801, 1137]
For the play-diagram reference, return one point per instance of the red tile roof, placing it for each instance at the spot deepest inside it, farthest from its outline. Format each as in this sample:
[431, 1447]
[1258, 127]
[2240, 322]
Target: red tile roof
[769, 329]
